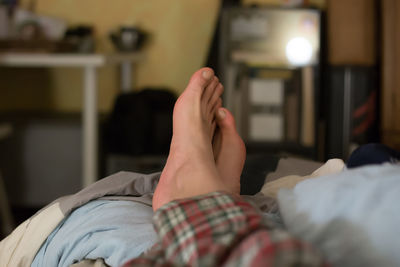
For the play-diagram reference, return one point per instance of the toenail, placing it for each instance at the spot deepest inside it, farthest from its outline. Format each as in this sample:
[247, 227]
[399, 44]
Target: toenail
[221, 114]
[207, 74]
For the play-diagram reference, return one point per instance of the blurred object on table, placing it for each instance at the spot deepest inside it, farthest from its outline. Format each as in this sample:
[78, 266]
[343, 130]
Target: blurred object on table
[52, 28]
[128, 38]
[32, 37]
[35, 46]
[80, 39]
[22, 30]
[30, 30]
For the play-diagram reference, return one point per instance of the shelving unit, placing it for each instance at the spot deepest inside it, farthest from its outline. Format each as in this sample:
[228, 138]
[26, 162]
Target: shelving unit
[273, 97]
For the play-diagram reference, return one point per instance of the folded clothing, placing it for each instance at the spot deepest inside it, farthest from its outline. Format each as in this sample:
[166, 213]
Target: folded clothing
[115, 231]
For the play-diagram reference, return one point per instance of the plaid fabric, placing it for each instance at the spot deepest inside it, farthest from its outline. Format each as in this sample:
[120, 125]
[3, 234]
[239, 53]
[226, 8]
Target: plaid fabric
[219, 229]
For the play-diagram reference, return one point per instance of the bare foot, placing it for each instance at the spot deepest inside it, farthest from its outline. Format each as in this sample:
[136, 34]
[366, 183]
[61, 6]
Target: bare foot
[229, 150]
[190, 169]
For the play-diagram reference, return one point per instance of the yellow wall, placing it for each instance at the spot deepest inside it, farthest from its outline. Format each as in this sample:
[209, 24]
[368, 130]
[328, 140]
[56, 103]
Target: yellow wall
[181, 35]
[316, 3]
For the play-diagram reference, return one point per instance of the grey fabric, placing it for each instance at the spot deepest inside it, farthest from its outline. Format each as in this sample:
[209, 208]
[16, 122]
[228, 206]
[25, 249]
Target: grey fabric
[119, 184]
[263, 203]
[293, 166]
[268, 208]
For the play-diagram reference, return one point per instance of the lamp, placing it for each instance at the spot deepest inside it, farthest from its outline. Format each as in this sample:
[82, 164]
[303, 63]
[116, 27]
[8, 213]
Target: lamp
[299, 51]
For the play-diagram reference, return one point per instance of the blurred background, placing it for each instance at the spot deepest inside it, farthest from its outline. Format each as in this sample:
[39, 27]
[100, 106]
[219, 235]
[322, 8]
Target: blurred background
[87, 88]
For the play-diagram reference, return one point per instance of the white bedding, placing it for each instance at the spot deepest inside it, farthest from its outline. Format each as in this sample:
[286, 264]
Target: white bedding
[352, 217]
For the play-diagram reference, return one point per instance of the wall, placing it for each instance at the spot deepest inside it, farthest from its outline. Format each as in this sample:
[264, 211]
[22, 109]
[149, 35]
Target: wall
[315, 3]
[390, 54]
[181, 36]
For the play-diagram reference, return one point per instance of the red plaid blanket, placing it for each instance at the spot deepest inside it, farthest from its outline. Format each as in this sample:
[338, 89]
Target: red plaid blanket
[219, 229]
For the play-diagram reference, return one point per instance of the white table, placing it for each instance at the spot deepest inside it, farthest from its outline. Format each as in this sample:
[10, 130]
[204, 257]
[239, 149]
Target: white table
[89, 64]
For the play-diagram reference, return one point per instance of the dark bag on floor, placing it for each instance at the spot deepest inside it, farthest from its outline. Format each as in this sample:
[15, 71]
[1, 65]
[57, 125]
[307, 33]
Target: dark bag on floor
[141, 123]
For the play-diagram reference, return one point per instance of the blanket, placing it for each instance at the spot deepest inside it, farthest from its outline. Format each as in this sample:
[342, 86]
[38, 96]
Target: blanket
[72, 230]
[22, 245]
[115, 231]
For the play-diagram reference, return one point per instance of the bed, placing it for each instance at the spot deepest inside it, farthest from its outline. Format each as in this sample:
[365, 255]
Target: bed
[350, 216]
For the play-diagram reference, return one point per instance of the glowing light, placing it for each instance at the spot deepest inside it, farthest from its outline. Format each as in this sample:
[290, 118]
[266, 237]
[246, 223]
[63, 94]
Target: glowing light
[299, 51]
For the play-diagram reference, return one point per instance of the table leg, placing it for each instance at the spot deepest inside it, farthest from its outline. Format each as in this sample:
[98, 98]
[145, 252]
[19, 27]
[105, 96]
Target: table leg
[7, 225]
[89, 127]
[347, 88]
[126, 76]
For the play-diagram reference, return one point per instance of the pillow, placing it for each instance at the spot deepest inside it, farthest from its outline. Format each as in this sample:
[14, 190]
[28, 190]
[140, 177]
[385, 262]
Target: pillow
[352, 217]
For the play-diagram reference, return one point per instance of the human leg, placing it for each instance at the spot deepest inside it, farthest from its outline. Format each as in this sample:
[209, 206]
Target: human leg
[190, 169]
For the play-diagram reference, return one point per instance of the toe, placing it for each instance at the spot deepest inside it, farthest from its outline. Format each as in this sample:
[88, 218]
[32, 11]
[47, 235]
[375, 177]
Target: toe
[208, 92]
[212, 110]
[216, 95]
[225, 120]
[200, 79]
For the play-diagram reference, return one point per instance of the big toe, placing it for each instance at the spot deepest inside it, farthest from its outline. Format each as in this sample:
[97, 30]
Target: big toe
[200, 79]
[225, 120]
